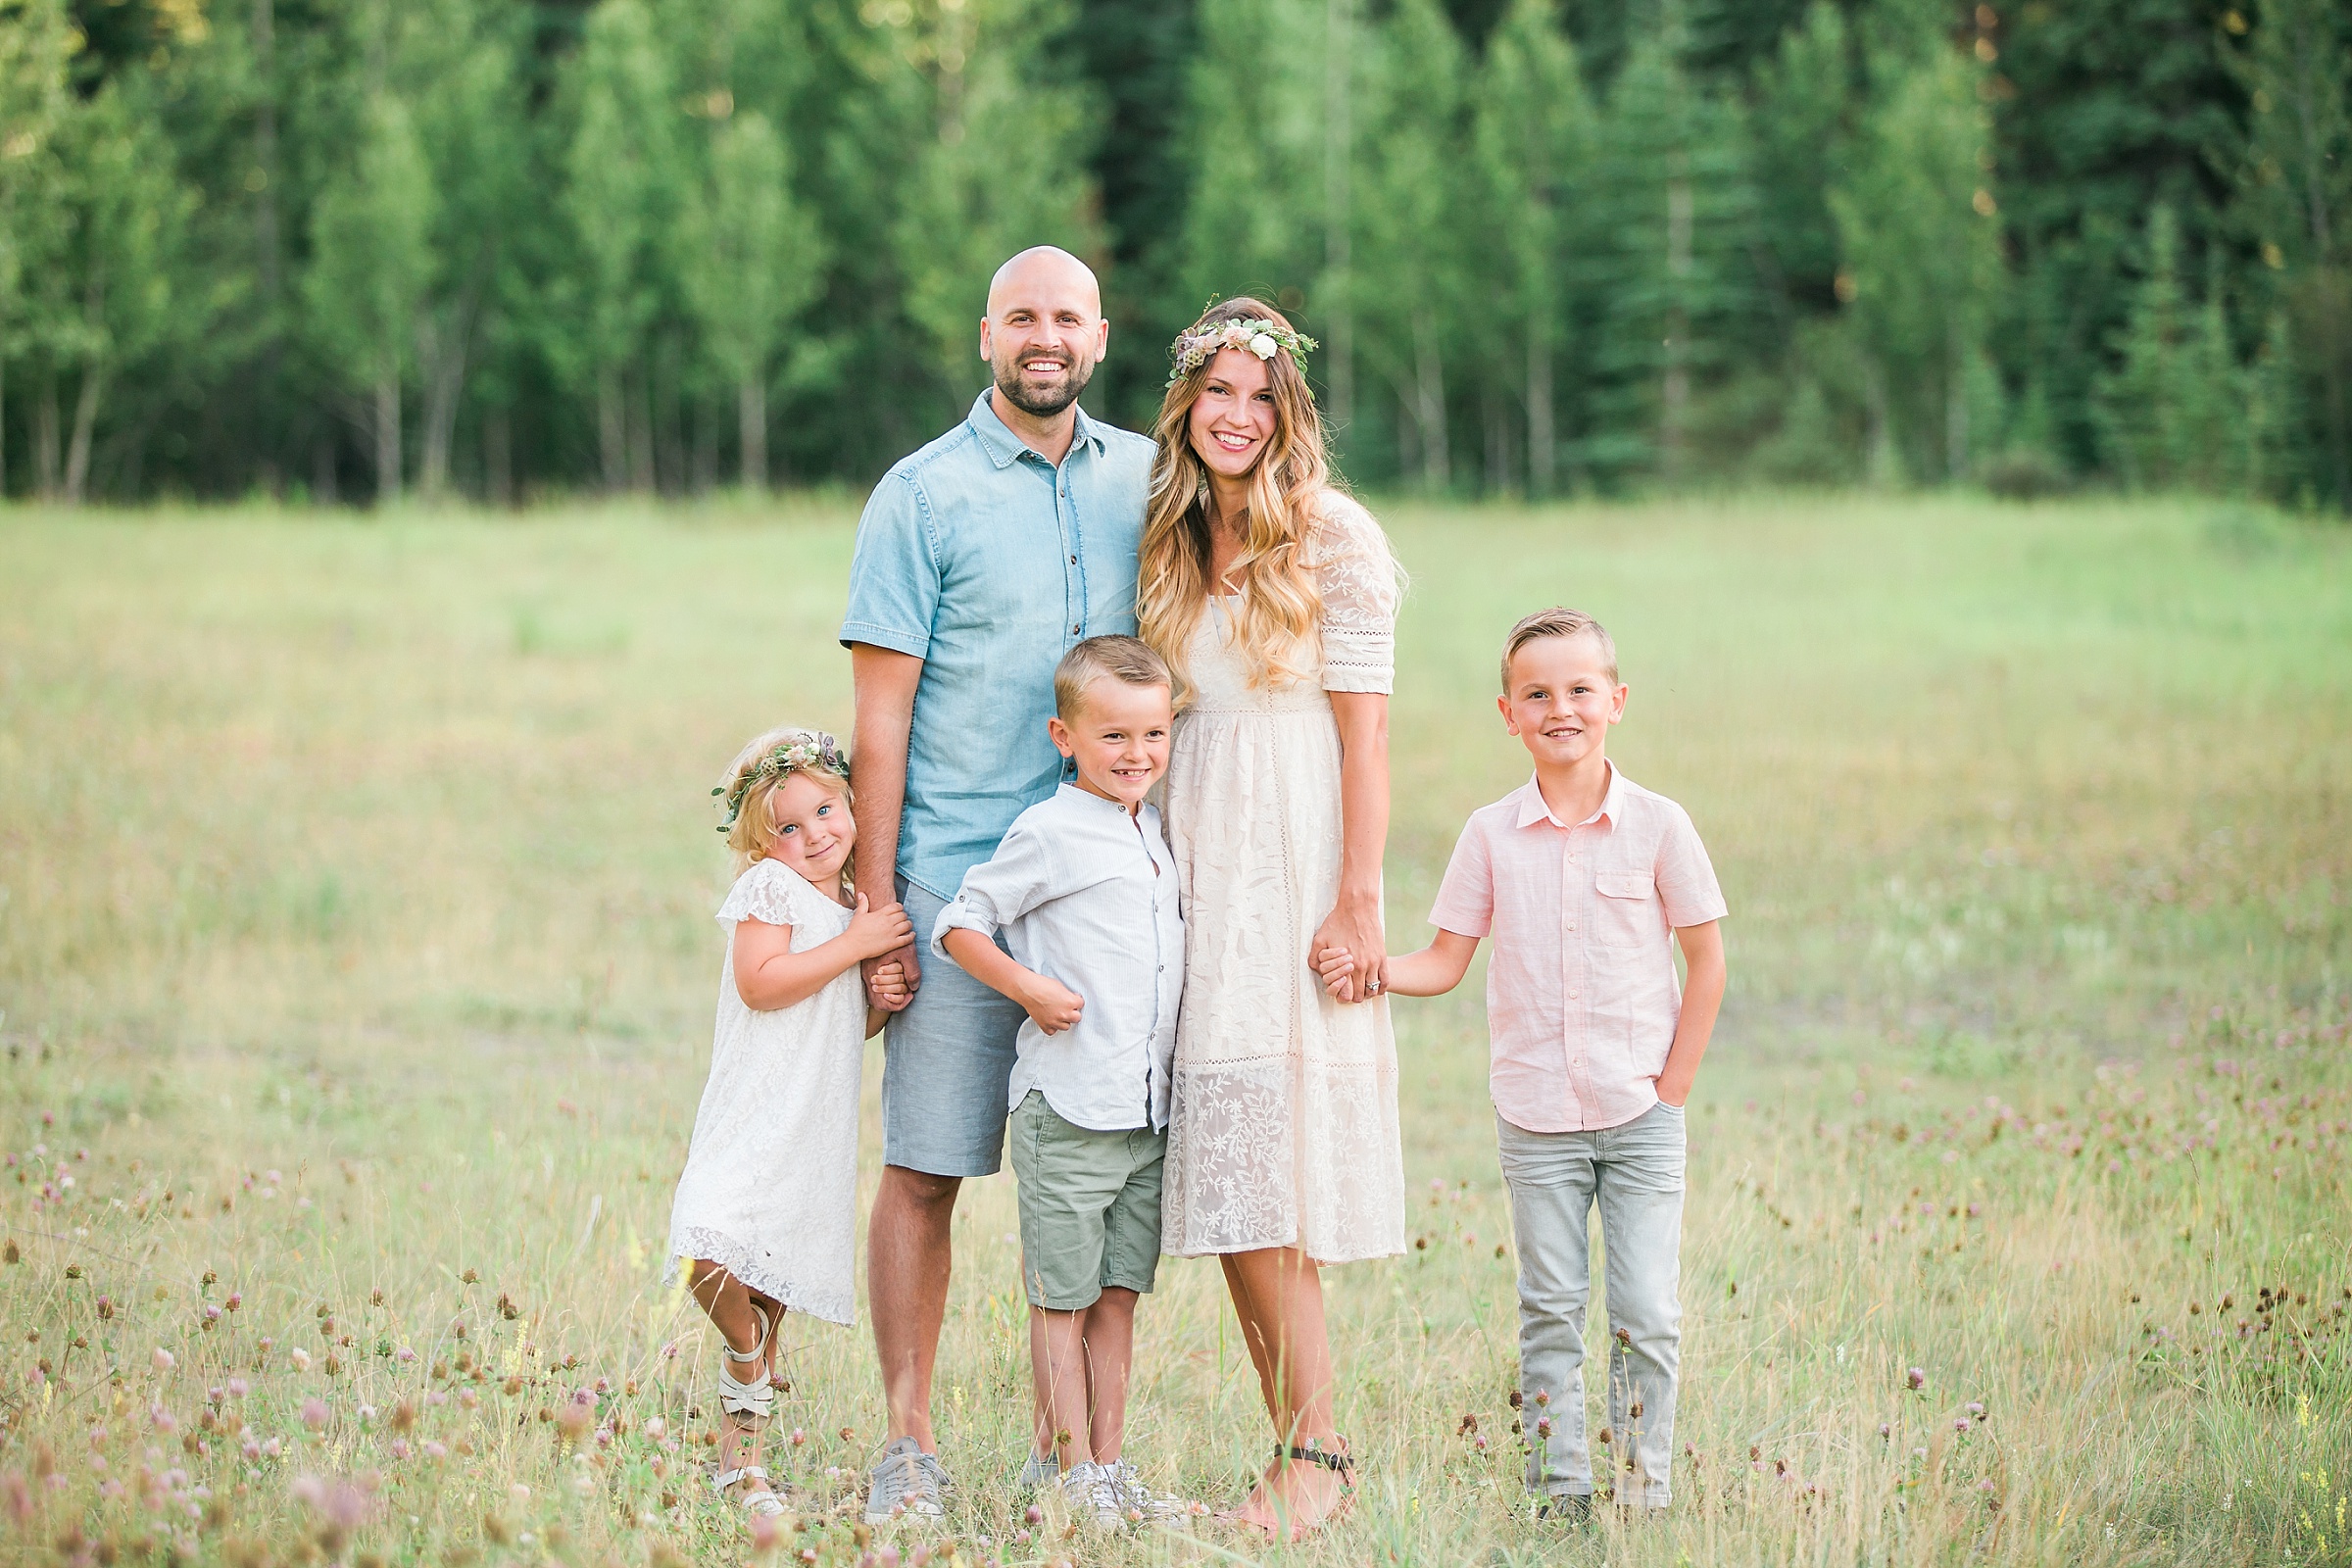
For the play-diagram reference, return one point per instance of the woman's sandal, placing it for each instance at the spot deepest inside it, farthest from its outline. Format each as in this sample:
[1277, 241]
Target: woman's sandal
[753, 1402]
[1337, 1461]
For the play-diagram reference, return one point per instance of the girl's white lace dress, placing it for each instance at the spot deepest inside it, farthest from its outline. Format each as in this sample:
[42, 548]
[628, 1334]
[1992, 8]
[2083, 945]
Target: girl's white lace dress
[1283, 1127]
[770, 1190]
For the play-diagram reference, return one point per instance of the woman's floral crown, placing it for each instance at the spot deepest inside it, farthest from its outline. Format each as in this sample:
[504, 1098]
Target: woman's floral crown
[1260, 337]
[795, 757]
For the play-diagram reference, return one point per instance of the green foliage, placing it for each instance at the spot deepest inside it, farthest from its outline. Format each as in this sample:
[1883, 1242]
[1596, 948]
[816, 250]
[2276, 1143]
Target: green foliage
[501, 247]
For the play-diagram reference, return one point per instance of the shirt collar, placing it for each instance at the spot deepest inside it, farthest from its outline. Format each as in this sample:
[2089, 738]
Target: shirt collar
[1533, 809]
[1092, 802]
[1004, 449]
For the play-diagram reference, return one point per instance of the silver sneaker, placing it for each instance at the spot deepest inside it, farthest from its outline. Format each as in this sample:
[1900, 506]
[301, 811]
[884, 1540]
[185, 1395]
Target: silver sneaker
[907, 1483]
[1037, 1472]
[1139, 1502]
[1092, 1493]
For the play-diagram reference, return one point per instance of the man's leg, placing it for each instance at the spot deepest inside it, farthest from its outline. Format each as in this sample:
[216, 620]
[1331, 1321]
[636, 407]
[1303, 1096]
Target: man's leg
[1641, 1193]
[946, 1062]
[909, 1252]
[1549, 1177]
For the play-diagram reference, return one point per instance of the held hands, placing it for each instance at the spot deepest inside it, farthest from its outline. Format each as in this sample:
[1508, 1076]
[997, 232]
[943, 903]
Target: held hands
[1051, 1006]
[1350, 952]
[1337, 966]
[887, 986]
[874, 933]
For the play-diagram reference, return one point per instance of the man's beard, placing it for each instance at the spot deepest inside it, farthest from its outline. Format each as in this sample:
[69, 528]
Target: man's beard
[1043, 402]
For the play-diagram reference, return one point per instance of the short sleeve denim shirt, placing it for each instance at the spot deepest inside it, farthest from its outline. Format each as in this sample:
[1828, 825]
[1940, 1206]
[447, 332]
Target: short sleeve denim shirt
[987, 562]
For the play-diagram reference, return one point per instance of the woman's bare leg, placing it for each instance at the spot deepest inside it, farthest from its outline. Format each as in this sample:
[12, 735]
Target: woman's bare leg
[1278, 1293]
[730, 1303]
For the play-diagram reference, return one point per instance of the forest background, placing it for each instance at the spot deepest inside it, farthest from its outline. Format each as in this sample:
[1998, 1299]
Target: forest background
[351, 249]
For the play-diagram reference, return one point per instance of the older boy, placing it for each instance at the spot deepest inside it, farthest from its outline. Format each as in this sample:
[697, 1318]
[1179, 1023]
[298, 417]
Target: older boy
[1580, 876]
[1084, 891]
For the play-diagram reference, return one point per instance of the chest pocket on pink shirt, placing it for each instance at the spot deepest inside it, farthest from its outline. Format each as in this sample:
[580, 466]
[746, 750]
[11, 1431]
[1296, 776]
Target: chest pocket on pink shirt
[1626, 912]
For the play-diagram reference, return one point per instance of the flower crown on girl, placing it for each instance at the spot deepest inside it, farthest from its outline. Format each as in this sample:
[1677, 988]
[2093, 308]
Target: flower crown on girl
[1260, 337]
[822, 754]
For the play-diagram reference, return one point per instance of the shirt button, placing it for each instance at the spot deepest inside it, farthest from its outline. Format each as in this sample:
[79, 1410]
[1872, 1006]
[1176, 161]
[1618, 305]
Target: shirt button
[1076, 630]
[1073, 560]
[1572, 996]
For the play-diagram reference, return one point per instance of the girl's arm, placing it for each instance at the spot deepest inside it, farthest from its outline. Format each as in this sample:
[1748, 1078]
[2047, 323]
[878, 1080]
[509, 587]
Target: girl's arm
[769, 975]
[1354, 923]
[1702, 995]
[1432, 972]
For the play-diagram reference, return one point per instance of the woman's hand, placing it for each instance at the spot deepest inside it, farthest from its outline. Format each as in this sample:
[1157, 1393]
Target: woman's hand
[875, 932]
[1354, 930]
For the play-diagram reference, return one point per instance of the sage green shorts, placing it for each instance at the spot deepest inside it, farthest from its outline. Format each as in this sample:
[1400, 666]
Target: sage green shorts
[1089, 1206]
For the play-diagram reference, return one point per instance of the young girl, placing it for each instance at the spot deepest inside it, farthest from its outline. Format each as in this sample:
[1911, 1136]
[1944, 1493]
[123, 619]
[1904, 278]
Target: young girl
[766, 1209]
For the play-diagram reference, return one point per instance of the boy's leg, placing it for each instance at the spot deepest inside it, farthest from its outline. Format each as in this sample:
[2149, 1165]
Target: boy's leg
[1549, 1176]
[1109, 1330]
[1058, 1363]
[1130, 1268]
[1641, 1188]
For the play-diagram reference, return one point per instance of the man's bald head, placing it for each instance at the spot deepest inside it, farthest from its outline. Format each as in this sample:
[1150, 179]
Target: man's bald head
[1044, 330]
[1045, 272]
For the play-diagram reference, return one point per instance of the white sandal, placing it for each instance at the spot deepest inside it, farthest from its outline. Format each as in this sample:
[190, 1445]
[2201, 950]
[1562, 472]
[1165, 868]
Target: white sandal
[760, 1504]
[754, 1401]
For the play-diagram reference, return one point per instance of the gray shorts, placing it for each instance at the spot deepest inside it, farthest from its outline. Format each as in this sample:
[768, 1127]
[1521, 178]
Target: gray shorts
[947, 1064]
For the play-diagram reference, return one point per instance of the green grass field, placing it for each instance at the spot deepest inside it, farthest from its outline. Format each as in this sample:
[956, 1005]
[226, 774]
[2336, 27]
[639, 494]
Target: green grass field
[356, 969]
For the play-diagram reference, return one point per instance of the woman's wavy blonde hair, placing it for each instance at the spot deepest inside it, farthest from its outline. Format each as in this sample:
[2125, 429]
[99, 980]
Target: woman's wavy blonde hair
[755, 824]
[1274, 624]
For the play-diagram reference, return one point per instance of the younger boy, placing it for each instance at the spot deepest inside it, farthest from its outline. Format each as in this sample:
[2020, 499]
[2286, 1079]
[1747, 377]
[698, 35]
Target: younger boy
[1579, 875]
[1084, 891]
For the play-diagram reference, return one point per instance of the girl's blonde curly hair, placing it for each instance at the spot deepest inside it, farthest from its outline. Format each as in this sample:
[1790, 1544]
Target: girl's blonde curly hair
[748, 789]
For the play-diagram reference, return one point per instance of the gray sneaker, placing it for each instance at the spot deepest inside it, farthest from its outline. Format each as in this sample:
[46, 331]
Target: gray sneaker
[1038, 1472]
[1139, 1502]
[907, 1483]
[1092, 1493]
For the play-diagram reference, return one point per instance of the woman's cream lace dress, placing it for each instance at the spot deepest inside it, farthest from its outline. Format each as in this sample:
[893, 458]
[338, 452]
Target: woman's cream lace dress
[1283, 1130]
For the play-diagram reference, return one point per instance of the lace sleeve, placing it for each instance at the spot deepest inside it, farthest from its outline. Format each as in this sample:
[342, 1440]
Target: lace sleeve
[1359, 581]
[767, 892]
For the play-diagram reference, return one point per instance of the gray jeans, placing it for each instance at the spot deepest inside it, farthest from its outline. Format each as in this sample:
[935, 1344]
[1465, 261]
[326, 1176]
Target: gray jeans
[1634, 1174]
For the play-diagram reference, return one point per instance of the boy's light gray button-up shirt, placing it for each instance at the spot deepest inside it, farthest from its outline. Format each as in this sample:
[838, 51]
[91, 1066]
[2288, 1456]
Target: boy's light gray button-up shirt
[1086, 895]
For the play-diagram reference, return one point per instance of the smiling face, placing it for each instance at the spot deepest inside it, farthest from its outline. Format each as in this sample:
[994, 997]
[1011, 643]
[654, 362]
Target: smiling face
[1118, 736]
[1045, 330]
[1233, 418]
[813, 831]
[1562, 700]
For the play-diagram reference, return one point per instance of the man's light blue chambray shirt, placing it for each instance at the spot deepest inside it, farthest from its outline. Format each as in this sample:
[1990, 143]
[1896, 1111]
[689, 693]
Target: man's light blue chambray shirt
[988, 563]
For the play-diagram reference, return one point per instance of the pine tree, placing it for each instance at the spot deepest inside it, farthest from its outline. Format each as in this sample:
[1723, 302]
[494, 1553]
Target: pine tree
[1917, 226]
[2295, 185]
[1532, 133]
[1410, 256]
[1671, 262]
[749, 259]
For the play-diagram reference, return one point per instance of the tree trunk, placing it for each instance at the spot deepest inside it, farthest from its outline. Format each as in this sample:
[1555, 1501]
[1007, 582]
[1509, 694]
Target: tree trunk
[1429, 403]
[1955, 407]
[323, 471]
[3, 427]
[498, 457]
[45, 462]
[387, 438]
[641, 434]
[1539, 459]
[1339, 24]
[85, 418]
[445, 387]
[751, 419]
[1674, 392]
[612, 430]
[1881, 434]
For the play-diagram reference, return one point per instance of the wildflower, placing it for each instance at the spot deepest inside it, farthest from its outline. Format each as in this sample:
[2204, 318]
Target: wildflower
[519, 1495]
[302, 1358]
[164, 1359]
[798, 1436]
[1976, 1409]
[1884, 1431]
[1916, 1378]
[1032, 1515]
[367, 1415]
[400, 1447]
[1960, 1424]
[657, 1428]
[404, 1355]
[434, 1450]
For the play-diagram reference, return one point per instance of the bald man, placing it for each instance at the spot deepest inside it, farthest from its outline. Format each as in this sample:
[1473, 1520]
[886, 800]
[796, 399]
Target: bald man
[980, 560]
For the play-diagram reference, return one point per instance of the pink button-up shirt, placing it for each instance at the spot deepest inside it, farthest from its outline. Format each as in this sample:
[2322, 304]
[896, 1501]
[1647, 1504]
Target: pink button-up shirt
[1581, 998]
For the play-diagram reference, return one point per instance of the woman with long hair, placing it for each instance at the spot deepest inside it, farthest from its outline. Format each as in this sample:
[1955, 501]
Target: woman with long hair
[1273, 596]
